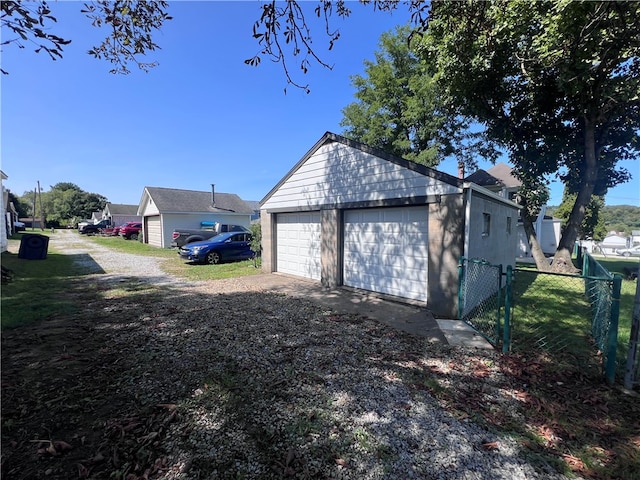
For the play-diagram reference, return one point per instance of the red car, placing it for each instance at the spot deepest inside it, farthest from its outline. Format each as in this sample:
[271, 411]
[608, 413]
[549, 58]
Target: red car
[130, 231]
[116, 230]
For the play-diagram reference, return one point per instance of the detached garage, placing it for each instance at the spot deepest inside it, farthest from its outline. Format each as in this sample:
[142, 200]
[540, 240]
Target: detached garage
[164, 210]
[350, 215]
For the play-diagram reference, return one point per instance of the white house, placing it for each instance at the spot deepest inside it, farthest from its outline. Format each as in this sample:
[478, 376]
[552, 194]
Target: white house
[119, 214]
[347, 214]
[4, 221]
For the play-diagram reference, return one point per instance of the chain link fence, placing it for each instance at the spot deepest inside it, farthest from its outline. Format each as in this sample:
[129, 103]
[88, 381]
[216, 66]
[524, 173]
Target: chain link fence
[571, 319]
[480, 297]
[549, 314]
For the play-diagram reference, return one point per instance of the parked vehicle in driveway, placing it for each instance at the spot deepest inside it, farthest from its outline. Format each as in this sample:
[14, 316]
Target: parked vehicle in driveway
[94, 228]
[116, 230]
[183, 236]
[130, 231]
[629, 252]
[221, 248]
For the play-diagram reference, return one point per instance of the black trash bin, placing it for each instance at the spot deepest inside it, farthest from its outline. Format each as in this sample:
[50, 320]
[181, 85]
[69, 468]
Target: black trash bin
[33, 246]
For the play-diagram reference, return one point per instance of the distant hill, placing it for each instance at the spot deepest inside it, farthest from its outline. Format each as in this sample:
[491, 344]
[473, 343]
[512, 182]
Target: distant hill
[619, 218]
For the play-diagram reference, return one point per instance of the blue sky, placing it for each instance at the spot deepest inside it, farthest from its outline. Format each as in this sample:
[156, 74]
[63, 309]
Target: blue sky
[201, 117]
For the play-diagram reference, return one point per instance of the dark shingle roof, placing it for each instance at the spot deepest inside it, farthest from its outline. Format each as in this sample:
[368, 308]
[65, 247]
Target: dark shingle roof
[193, 201]
[504, 173]
[254, 204]
[501, 174]
[482, 178]
[121, 209]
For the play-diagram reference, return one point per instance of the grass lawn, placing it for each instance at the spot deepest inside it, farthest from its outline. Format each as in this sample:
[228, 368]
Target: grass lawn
[38, 287]
[174, 265]
[550, 311]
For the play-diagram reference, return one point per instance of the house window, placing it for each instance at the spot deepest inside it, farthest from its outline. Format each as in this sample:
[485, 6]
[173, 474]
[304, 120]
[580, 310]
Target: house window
[509, 225]
[486, 224]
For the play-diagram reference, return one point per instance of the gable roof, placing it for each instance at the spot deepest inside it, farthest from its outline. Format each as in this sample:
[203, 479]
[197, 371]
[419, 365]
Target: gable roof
[121, 209]
[194, 201]
[254, 204]
[499, 175]
[330, 137]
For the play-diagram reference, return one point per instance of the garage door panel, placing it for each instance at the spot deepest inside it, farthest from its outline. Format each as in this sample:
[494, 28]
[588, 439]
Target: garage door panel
[154, 231]
[298, 244]
[385, 250]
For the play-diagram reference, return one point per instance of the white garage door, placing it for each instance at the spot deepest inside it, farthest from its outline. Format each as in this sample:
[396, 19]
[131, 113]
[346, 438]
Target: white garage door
[154, 231]
[298, 244]
[385, 250]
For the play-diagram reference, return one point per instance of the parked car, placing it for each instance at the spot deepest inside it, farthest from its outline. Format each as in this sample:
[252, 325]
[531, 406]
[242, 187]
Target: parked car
[94, 228]
[223, 247]
[182, 236]
[19, 226]
[130, 231]
[116, 230]
[84, 223]
[629, 252]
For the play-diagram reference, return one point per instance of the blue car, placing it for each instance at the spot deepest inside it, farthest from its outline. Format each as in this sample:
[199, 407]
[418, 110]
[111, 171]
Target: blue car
[222, 247]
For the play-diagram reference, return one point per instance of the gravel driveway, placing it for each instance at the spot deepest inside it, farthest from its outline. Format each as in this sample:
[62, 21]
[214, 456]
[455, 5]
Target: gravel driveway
[223, 379]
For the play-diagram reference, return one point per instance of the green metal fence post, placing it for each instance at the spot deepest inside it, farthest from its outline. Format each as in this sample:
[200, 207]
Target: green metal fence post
[460, 281]
[506, 332]
[612, 340]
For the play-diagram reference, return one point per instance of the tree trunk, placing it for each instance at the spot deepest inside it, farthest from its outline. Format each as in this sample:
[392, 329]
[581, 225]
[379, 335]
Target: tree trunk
[536, 251]
[562, 258]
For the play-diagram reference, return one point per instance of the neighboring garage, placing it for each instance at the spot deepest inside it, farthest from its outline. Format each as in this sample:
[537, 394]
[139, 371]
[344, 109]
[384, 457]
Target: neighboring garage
[164, 210]
[350, 215]
[153, 230]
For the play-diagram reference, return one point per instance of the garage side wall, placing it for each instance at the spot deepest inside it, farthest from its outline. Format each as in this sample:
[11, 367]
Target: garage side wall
[446, 241]
[491, 230]
[267, 226]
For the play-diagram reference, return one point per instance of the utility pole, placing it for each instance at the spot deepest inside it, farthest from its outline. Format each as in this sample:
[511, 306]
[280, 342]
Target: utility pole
[33, 216]
[41, 211]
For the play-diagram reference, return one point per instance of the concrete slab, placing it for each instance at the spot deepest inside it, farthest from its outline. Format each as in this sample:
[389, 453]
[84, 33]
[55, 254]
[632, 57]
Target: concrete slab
[405, 317]
[460, 334]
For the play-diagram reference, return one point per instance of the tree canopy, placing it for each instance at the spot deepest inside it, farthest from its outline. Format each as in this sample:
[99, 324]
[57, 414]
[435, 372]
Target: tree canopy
[65, 204]
[593, 224]
[399, 109]
[555, 83]
[130, 25]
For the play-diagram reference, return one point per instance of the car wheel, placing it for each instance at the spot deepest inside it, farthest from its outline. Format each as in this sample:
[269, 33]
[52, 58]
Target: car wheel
[133, 236]
[213, 258]
[626, 254]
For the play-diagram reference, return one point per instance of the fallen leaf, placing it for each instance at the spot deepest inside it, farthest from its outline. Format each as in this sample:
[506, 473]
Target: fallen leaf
[489, 446]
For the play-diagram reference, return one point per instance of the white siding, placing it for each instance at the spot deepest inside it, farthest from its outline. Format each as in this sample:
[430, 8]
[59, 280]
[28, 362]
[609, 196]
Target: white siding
[337, 173]
[154, 231]
[499, 245]
[3, 217]
[386, 250]
[298, 244]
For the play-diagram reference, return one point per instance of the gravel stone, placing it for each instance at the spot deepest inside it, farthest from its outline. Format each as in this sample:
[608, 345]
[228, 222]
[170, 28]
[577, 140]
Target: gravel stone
[271, 377]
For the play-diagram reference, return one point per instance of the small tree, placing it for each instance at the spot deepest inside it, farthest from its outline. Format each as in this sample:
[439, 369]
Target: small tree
[256, 241]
